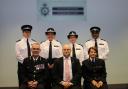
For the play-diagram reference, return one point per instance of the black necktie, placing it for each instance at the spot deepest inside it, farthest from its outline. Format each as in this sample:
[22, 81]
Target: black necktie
[73, 51]
[96, 47]
[50, 53]
[28, 47]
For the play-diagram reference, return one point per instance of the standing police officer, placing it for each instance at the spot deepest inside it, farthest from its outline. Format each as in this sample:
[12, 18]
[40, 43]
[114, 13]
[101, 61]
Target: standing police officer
[100, 44]
[50, 50]
[76, 49]
[23, 47]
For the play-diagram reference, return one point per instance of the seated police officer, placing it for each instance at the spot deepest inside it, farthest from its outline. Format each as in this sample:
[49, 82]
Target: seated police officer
[34, 70]
[94, 71]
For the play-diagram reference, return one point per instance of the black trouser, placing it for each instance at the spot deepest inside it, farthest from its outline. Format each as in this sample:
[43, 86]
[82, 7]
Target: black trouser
[89, 85]
[72, 87]
[20, 65]
[24, 86]
[49, 81]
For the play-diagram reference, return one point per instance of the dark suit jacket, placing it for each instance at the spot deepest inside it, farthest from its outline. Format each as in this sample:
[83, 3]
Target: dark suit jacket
[94, 70]
[58, 71]
[34, 70]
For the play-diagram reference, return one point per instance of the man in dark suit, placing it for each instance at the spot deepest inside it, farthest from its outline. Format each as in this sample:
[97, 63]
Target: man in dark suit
[94, 71]
[66, 71]
[34, 70]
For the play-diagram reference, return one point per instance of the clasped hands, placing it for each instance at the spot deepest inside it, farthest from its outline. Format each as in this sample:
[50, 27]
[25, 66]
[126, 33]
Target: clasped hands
[97, 84]
[32, 84]
[66, 84]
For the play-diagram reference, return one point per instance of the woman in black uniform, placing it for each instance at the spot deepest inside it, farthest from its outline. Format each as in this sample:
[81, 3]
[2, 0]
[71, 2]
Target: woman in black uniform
[94, 71]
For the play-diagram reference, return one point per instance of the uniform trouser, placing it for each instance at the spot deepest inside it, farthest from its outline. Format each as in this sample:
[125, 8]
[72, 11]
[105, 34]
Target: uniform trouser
[24, 86]
[90, 86]
[48, 84]
[61, 87]
[20, 65]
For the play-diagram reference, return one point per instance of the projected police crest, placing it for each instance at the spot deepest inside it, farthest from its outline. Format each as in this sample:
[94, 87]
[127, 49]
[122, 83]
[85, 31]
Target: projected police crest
[66, 10]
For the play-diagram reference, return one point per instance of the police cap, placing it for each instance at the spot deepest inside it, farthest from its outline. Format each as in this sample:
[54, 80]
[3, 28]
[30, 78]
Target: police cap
[50, 30]
[72, 33]
[95, 29]
[26, 28]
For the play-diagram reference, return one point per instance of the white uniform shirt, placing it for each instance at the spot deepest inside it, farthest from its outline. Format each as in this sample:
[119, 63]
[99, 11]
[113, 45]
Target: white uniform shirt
[103, 49]
[21, 49]
[70, 68]
[79, 52]
[56, 49]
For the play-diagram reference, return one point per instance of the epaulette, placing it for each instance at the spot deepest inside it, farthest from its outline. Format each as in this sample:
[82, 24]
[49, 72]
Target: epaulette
[88, 40]
[33, 40]
[80, 45]
[103, 39]
[58, 41]
[18, 40]
[42, 42]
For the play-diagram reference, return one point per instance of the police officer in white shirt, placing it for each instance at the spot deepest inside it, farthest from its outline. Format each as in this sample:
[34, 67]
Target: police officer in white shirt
[50, 50]
[76, 49]
[23, 47]
[100, 44]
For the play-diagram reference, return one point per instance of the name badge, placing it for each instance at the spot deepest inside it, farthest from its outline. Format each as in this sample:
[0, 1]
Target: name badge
[101, 44]
[78, 49]
[56, 46]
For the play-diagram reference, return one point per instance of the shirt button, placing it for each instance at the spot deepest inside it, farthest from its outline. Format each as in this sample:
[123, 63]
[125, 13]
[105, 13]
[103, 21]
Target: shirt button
[34, 75]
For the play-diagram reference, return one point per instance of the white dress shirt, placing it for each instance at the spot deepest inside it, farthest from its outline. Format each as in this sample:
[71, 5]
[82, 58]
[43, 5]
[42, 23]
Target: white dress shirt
[56, 49]
[21, 48]
[79, 52]
[103, 49]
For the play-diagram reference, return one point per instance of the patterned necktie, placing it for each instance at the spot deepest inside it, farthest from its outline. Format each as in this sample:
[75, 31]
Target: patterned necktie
[28, 48]
[67, 71]
[50, 52]
[73, 51]
[96, 47]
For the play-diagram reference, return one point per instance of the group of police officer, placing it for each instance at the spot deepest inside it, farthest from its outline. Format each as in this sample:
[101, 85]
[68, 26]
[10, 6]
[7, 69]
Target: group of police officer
[51, 49]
